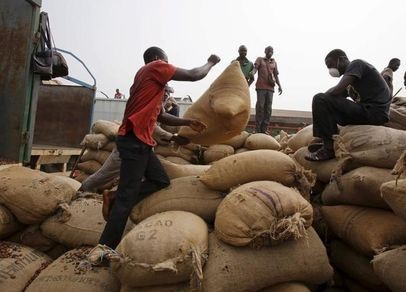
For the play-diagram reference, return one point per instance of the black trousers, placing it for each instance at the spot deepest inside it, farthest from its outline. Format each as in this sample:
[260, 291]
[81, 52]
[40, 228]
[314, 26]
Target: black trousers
[137, 161]
[328, 111]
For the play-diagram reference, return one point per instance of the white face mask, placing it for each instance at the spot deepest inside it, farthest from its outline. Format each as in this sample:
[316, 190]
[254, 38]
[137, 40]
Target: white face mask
[334, 71]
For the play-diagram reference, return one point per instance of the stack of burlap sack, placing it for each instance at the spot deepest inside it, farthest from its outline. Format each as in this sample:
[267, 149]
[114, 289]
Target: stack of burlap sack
[242, 223]
[362, 205]
[99, 145]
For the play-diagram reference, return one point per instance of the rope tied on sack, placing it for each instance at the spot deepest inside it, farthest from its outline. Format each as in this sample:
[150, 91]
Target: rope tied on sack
[288, 228]
[304, 181]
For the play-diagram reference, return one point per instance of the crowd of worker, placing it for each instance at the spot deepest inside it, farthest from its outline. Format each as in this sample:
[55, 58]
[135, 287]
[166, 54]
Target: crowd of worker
[150, 102]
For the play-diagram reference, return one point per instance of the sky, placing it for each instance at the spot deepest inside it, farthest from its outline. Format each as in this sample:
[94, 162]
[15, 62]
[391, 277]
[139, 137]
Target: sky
[110, 37]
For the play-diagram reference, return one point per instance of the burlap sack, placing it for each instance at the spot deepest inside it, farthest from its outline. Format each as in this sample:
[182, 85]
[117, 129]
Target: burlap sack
[301, 138]
[367, 230]
[95, 141]
[99, 155]
[375, 146]
[33, 237]
[180, 287]
[166, 248]
[19, 265]
[287, 287]
[253, 166]
[390, 267]
[82, 176]
[261, 141]
[72, 182]
[237, 141]
[241, 150]
[241, 269]
[177, 160]
[217, 152]
[8, 223]
[109, 129]
[397, 114]
[110, 146]
[355, 266]
[71, 273]
[184, 194]
[224, 108]
[32, 195]
[358, 187]
[80, 223]
[176, 170]
[173, 150]
[394, 193]
[262, 213]
[323, 169]
[89, 167]
[57, 251]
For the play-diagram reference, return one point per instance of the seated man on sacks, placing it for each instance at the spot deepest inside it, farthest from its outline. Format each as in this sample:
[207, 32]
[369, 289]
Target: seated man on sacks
[370, 102]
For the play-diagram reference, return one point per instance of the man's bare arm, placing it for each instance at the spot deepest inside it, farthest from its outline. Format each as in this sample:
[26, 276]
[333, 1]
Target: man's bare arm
[341, 88]
[196, 73]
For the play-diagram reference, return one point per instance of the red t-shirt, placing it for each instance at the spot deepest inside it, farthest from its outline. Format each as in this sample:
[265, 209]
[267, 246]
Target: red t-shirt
[145, 102]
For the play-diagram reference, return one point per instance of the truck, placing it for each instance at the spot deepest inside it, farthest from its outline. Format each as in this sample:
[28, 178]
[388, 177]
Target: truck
[40, 123]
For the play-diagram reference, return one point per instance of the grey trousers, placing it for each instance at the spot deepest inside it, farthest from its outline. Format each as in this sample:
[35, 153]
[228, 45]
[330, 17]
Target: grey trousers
[109, 171]
[263, 110]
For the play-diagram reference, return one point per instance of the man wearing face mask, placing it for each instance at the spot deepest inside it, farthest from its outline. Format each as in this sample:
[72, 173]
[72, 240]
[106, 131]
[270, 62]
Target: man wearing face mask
[370, 105]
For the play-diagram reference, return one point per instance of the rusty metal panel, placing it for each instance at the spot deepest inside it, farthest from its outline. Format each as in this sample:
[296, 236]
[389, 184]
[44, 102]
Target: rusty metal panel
[18, 23]
[63, 115]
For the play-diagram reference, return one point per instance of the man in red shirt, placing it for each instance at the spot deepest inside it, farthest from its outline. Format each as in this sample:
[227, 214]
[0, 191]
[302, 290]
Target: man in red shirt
[135, 142]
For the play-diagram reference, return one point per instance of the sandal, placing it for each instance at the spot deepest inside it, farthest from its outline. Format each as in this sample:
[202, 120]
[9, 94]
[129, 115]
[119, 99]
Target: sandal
[320, 155]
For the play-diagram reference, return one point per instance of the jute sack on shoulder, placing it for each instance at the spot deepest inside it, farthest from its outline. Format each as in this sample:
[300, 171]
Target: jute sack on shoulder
[80, 223]
[241, 269]
[367, 230]
[69, 273]
[183, 194]
[32, 195]
[172, 150]
[262, 213]
[177, 170]
[109, 129]
[254, 166]
[8, 223]
[360, 187]
[322, 169]
[237, 141]
[287, 287]
[224, 108]
[301, 138]
[99, 155]
[394, 193]
[95, 141]
[355, 265]
[166, 248]
[261, 141]
[366, 145]
[19, 265]
[390, 266]
[217, 152]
